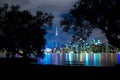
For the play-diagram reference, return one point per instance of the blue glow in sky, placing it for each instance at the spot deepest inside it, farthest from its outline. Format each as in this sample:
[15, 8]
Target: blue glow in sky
[57, 8]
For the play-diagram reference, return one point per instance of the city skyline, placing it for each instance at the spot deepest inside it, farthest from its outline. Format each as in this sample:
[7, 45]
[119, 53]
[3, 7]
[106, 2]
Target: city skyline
[57, 8]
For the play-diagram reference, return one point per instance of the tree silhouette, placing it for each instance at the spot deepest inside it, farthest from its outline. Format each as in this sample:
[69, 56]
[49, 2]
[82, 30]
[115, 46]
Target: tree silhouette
[103, 14]
[79, 24]
[22, 30]
[3, 11]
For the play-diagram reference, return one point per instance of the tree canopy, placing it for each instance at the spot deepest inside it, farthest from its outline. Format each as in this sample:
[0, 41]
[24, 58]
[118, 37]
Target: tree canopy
[80, 26]
[20, 29]
[103, 14]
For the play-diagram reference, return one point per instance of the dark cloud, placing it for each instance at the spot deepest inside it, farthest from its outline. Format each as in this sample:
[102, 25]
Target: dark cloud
[56, 7]
[14, 2]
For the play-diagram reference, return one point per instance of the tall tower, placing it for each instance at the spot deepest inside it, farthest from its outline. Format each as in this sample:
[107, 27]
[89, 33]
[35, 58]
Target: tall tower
[56, 36]
[56, 31]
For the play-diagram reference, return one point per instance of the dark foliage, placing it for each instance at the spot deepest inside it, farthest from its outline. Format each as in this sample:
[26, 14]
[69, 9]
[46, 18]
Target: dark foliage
[103, 14]
[19, 29]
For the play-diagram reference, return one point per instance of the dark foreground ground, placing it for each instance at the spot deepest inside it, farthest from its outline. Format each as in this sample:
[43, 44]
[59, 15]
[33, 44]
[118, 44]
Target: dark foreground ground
[20, 68]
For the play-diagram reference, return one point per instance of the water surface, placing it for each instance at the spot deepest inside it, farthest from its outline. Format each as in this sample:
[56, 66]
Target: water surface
[86, 59]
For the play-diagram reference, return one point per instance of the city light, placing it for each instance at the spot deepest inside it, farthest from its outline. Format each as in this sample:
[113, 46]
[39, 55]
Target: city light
[48, 50]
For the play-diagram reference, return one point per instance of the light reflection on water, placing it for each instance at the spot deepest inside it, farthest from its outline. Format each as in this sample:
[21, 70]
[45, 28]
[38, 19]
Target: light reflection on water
[119, 58]
[93, 59]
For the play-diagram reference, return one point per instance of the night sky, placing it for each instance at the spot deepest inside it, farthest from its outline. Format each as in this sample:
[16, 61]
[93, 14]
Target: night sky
[57, 8]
